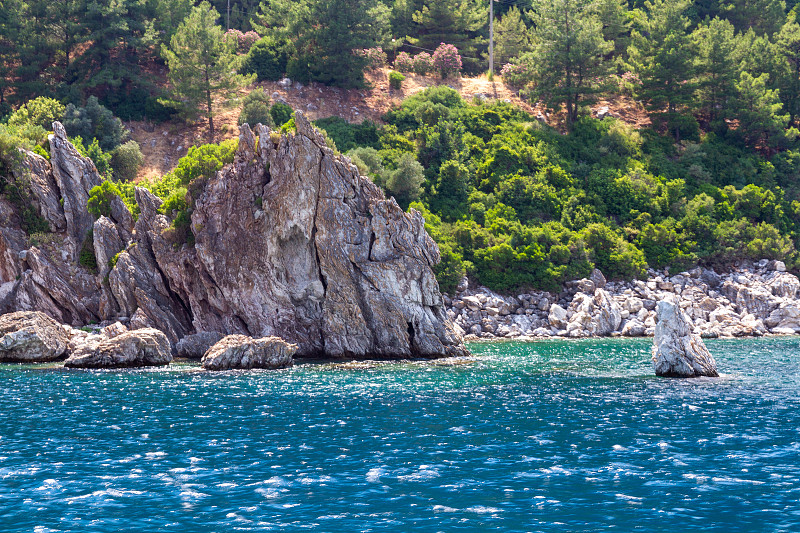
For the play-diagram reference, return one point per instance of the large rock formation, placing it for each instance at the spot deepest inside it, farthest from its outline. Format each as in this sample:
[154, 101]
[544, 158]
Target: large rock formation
[289, 241]
[677, 352]
[31, 337]
[241, 352]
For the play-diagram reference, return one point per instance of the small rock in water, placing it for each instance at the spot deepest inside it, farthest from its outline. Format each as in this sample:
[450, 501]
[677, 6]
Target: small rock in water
[30, 337]
[239, 351]
[142, 347]
[677, 352]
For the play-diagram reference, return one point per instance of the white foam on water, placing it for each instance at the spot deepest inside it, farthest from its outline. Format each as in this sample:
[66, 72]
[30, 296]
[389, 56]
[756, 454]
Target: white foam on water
[423, 473]
[374, 474]
[482, 509]
[151, 456]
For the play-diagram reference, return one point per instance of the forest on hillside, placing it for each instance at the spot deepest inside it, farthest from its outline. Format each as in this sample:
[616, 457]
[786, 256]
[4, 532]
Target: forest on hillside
[512, 201]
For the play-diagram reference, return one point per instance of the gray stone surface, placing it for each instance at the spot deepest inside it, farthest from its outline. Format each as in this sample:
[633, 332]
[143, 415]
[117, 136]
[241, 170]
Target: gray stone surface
[31, 337]
[677, 352]
[242, 352]
[194, 346]
[138, 348]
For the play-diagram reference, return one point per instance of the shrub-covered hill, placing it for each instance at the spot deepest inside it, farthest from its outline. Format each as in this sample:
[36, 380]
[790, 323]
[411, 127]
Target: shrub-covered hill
[517, 204]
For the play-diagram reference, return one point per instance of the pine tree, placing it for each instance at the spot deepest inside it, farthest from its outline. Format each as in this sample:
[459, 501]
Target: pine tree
[202, 64]
[718, 66]
[764, 16]
[462, 23]
[322, 36]
[61, 23]
[613, 14]
[11, 15]
[511, 37]
[762, 122]
[787, 43]
[662, 54]
[166, 16]
[118, 32]
[568, 54]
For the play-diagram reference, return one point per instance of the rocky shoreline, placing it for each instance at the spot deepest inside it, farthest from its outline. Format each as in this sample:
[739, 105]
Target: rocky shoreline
[752, 300]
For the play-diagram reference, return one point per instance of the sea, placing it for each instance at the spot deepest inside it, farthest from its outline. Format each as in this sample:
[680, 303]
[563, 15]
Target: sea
[543, 436]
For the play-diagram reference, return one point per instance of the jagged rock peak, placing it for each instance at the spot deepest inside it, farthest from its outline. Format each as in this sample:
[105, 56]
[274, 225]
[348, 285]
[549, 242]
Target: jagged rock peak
[292, 242]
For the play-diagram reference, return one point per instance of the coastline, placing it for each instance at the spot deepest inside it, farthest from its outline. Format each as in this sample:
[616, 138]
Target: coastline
[751, 300]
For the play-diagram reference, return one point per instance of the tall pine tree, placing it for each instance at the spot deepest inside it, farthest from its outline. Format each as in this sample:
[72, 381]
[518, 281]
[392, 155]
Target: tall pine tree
[323, 36]
[568, 54]
[202, 64]
[512, 37]
[662, 54]
[718, 66]
[462, 23]
[787, 44]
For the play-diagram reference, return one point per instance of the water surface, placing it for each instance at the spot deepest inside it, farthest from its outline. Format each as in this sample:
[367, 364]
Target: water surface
[546, 436]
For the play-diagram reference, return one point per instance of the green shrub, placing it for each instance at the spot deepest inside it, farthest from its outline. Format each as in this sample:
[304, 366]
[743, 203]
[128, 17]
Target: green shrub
[396, 80]
[126, 160]
[204, 161]
[281, 113]
[255, 109]
[40, 111]
[100, 198]
[113, 261]
[405, 182]
[94, 121]
[101, 159]
[347, 136]
[266, 59]
[613, 255]
[369, 163]
[86, 258]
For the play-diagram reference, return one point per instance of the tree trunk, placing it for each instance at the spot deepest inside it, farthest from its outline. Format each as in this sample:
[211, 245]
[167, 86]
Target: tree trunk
[210, 111]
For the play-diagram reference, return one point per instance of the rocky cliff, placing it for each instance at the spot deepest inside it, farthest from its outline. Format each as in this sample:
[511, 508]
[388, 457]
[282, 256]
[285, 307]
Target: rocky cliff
[289, 241]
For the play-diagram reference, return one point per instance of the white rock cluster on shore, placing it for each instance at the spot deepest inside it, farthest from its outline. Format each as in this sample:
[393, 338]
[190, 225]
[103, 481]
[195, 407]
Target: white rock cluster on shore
[752, 300]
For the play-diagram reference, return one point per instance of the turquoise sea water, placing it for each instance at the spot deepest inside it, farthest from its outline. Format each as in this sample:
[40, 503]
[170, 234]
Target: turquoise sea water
[549, 436]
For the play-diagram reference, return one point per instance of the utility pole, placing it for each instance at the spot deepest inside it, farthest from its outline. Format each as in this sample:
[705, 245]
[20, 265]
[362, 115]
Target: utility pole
[228, 19]
[491, 37]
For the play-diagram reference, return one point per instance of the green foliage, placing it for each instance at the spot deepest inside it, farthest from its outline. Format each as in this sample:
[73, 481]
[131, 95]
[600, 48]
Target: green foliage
[321, 35]
[396, 80]
[202, 64]
[404, 183]
[100, 198]
[182, 186]
[40, 111]
[512, 37]
[568, 54]
[94, 121]
[661, 54]
[126, 160]
[266, 59]
[759, 110]
[281, 113]
[255, 109]
[347, 136]
[460, 23]
[86, 257]
[369, 163]
[113, 261]
[101, 159]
